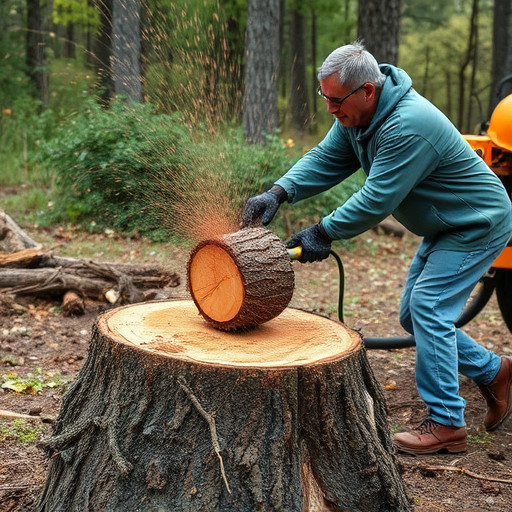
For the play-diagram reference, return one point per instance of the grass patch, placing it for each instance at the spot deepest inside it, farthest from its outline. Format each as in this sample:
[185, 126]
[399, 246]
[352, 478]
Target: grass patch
[20, 431]
[32, 384]
[483, 438]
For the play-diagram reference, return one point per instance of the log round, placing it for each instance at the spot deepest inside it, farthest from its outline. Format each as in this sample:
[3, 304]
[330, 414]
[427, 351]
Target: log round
[241, 279]
[169, 413]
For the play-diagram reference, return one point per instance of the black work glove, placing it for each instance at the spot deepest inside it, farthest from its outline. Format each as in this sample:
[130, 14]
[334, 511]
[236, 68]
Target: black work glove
[315, 243]
[263, 205]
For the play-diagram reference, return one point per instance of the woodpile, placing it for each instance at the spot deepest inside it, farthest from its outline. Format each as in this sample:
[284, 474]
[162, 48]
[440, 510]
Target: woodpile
[27, 269]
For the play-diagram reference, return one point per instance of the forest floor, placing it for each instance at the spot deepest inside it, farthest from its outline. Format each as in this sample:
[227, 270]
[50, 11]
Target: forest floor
[41, 352]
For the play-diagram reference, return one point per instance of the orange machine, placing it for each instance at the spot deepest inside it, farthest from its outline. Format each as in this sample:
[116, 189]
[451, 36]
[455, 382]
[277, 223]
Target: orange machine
[495, 147]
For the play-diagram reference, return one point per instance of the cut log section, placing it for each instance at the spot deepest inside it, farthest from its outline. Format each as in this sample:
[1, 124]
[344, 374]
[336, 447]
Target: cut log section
[72, 304]
[169, 413]
[242, 279]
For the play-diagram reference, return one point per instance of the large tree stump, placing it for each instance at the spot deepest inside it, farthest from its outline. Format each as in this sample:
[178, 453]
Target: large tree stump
[171, 414]
[241, 279]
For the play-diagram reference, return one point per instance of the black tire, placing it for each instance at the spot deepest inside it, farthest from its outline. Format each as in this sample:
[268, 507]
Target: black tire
[479, 298]
[504, 294]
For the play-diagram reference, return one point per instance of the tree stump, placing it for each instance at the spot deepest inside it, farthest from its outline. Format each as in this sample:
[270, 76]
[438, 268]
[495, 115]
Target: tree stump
[170, 414]
[241, 279]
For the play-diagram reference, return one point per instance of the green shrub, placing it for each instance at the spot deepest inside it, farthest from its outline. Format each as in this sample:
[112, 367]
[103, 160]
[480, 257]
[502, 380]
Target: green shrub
[107, 163]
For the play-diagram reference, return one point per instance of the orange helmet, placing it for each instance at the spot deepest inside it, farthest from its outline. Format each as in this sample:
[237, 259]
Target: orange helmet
[500, 125]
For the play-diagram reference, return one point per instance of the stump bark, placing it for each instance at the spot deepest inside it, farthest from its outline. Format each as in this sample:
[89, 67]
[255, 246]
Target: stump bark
[170, 414]
[241, 279]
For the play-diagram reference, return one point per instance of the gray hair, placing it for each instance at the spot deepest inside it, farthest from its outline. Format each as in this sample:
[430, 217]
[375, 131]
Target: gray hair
[353, 64]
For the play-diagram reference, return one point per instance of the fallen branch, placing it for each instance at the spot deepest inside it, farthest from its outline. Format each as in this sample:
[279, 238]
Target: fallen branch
[25, 269]
[12, 237]
[467, 472]
[87, 278]
[11, 415]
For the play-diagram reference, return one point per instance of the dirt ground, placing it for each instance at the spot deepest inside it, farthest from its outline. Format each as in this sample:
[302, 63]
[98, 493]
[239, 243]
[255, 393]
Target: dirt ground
[41, 352]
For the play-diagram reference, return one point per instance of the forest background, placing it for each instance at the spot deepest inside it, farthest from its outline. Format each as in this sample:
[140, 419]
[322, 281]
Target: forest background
[126, 114]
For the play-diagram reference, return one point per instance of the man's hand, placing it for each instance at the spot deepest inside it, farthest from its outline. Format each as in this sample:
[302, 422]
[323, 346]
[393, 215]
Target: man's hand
[263, 206]
[315, 243]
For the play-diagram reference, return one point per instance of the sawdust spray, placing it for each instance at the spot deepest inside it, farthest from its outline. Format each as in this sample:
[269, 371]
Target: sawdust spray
[198, 202]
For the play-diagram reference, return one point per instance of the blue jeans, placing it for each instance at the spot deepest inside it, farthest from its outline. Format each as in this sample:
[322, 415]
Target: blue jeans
[437, 287]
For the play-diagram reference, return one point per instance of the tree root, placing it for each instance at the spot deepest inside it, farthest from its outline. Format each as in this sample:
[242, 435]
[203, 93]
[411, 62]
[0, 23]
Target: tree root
[62, 441]
[123, 464]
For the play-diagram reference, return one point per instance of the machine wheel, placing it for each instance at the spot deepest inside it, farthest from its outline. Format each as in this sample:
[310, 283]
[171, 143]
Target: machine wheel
[478, 299]
[504, 294]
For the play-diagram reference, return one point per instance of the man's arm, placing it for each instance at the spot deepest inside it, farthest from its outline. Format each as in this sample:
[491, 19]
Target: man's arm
[324, 166]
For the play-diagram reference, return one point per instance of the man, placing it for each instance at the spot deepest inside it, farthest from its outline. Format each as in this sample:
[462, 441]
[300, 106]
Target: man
[421, 170]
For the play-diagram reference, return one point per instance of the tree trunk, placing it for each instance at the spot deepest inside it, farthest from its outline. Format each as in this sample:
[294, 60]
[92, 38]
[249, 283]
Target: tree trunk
[501, 50]
[35, 45]
[378, 24]
[242, 279]
[126, 49]
[314, 70]
[103, 49]
[69, 44]
[168, 414]
[298, 105]
[468, 57]
[261, 69]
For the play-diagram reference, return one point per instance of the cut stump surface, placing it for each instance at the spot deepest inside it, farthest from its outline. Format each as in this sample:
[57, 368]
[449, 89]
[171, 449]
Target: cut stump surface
[169, 413]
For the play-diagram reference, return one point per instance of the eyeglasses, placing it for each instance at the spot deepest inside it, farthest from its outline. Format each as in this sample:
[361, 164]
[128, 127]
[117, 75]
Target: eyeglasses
[338, 101]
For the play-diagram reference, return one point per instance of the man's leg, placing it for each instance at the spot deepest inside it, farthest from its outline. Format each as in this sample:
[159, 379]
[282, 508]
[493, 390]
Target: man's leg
[438, 286]
[436, 300]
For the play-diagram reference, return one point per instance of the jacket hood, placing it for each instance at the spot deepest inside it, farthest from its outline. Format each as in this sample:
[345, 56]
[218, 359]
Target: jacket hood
[396, 85]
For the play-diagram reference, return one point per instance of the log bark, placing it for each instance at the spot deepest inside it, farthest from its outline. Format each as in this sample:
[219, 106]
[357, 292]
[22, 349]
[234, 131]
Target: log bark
[242, 279]
[168, 413]
[23, 258]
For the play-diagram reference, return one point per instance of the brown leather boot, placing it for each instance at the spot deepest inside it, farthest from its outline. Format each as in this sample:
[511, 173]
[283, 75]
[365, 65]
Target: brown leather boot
[431, 437]
[498, 396]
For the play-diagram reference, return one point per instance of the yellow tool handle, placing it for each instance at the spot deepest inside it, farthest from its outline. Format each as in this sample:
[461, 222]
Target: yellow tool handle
[295, 253]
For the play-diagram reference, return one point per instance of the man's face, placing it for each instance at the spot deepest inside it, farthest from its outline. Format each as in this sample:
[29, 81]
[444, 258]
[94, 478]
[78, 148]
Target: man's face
[356, 110]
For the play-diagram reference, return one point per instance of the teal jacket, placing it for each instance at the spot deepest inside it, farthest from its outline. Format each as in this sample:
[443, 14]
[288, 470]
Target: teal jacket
[419, 168]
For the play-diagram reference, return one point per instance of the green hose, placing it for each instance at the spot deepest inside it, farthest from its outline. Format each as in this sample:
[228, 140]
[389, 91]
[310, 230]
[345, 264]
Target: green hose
[371, 342]
[341, 286]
